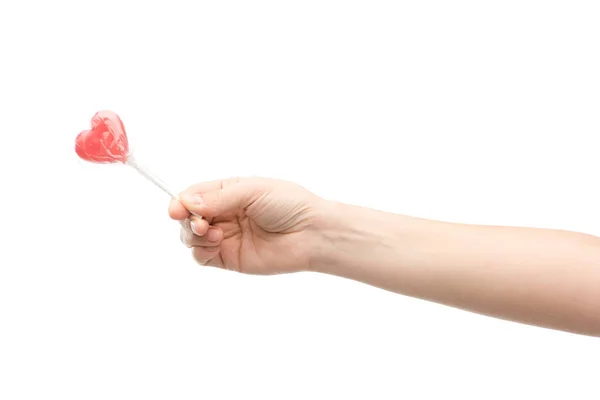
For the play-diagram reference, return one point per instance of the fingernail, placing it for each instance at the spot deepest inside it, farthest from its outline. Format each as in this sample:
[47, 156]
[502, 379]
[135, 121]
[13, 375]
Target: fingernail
[192, 199]
[193, 227]
[213, 235]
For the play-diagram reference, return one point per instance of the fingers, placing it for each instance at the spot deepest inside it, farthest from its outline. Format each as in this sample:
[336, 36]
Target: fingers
[206, 247]
[209, 186]
[208, 256]
[212, 237]
[177, 211]
[198, 226]
[220, 201]
[208, 200]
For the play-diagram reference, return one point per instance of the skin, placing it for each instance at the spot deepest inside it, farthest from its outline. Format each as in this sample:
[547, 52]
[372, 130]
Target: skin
[543, 277]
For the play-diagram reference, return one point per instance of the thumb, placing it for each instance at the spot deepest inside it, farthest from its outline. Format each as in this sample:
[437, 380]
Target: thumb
[220, 201]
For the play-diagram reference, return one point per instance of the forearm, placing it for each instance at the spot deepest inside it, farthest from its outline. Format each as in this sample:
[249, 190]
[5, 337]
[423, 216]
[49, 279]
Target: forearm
[543, 277]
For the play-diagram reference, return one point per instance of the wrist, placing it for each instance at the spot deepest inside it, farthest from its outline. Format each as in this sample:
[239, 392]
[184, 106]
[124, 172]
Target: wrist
[351, 237]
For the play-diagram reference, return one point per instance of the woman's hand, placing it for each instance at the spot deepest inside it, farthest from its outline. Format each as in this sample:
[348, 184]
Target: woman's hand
[249, 225]
[541, 277]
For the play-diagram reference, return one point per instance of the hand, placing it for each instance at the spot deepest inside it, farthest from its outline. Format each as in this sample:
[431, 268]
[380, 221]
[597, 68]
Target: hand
[249, 225]
[262, 226]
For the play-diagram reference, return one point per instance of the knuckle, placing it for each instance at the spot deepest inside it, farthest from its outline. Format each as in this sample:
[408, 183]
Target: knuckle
[232, 181]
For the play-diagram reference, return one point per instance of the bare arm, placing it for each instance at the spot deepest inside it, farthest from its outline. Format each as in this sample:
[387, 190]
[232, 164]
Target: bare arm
[543, 277]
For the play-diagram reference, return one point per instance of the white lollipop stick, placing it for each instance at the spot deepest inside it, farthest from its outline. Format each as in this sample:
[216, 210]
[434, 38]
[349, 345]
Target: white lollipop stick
[145, 172]
[132, 162]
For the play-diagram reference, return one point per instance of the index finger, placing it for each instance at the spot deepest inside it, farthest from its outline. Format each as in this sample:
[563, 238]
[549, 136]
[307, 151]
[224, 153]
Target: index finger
[210, 186]
[177, 211]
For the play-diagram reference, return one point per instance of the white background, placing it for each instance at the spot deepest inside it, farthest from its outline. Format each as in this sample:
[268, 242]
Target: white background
[468, 111]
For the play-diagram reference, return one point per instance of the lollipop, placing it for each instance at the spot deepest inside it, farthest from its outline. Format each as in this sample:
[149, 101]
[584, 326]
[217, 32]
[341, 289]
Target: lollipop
[106, 143]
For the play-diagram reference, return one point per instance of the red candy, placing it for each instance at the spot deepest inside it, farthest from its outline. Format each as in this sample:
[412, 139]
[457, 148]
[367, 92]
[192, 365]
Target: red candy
[106, 142]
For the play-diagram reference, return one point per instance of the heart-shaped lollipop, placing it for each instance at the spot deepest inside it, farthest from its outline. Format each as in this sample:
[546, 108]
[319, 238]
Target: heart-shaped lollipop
[106, 142]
